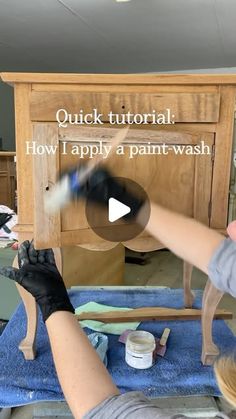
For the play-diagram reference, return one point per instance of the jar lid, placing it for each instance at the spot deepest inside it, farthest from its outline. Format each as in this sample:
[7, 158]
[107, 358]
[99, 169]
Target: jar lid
[141, 341]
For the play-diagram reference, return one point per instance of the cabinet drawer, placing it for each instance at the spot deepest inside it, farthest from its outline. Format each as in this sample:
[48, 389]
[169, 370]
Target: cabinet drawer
[186, 107]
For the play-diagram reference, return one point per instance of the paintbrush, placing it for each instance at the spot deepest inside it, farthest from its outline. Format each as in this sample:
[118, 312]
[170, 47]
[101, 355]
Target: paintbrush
[161, 343]
[62, 192]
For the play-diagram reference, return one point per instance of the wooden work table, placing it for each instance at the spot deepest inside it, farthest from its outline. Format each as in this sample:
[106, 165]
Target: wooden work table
[197, 186]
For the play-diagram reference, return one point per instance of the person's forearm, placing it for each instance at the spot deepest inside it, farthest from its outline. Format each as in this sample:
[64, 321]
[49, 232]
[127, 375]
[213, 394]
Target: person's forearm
[187, 238]
[82, 375]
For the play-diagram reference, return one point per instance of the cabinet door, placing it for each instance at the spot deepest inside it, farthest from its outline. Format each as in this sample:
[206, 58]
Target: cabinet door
[179, 178]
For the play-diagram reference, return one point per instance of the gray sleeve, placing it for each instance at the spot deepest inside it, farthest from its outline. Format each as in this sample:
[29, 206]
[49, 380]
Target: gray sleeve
[133, 405]
[222, 267]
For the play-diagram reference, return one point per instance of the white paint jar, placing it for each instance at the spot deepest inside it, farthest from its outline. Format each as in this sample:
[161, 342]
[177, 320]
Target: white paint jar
[139, 349]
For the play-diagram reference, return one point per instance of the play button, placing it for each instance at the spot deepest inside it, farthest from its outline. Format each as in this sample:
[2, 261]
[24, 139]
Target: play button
[117, 210]
[107, 220]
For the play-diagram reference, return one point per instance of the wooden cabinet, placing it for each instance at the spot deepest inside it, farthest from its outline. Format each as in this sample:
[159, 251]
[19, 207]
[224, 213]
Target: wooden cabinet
[195, 185]
[7, 179]
[202, 104]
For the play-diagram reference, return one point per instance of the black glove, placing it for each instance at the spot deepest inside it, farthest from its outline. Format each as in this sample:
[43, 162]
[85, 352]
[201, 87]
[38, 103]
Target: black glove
[100, 186]
[39, 275]
[4, 218]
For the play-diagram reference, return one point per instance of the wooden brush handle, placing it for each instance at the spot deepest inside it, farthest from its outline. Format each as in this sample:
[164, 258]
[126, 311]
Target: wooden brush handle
[164, 337]
[116, 140]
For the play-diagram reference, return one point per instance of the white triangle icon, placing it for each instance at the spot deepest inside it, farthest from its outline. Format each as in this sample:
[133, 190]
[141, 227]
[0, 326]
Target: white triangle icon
[116, 210]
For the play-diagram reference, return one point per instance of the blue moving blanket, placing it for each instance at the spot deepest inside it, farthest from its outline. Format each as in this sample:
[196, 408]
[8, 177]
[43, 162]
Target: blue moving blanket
[179, 373]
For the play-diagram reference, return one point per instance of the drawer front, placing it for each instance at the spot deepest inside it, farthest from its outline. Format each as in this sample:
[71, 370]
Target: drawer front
[186, 107]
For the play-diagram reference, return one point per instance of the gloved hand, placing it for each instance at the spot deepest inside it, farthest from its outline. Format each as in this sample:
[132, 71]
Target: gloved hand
[100, 186]
[39, 275]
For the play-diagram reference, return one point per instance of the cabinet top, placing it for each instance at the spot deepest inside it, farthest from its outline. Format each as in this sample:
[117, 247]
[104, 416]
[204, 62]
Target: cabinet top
[7, 153]
[71, 78]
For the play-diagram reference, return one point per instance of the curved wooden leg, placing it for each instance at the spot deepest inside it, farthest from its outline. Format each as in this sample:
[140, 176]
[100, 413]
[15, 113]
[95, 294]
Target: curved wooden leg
[187, 276]
[27, 345]
[211, 299]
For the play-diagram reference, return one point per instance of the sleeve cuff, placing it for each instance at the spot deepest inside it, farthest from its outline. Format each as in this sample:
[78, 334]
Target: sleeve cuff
[222, 267]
